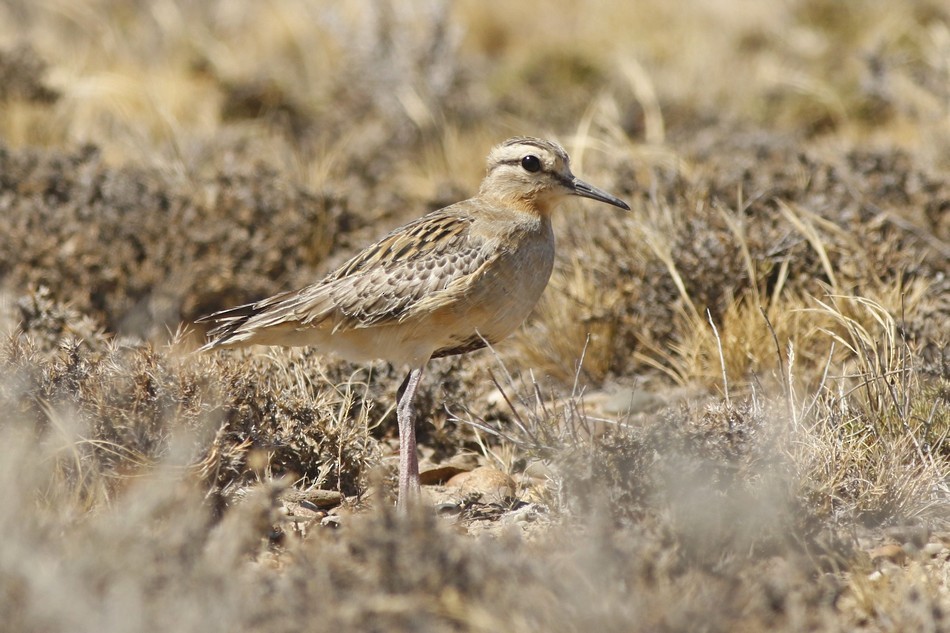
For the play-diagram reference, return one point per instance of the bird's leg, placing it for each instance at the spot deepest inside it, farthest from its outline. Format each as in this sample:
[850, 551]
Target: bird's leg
[408, 461]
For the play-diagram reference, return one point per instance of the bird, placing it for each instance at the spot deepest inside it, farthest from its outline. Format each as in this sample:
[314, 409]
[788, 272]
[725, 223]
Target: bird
[450, 282]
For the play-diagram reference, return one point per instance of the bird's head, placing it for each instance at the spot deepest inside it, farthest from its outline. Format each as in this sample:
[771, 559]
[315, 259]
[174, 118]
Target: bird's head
[536, 175]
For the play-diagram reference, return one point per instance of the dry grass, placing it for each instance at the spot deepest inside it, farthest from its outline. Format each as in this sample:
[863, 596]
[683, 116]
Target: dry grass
[730, 410]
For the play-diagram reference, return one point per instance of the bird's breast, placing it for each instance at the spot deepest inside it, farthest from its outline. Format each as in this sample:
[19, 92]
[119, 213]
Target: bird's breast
[508, 289]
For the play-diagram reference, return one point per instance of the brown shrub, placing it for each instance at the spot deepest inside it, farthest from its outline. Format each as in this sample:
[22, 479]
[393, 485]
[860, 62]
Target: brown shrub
[141, 251]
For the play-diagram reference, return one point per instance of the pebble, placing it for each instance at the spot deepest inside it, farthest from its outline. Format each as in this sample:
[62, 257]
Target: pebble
[494, 485]
[890, 552]
[933, 549]
[526, 514]
[332, 521]
[447, 508]
[315, 498]
[457, 480]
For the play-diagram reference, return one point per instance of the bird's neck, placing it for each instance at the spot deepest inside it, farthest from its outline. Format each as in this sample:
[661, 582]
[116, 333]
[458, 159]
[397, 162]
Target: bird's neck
[529, 205]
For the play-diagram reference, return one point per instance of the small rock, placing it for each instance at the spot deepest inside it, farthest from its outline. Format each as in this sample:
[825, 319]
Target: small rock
[314, 498]
[332, 521]
[494, 485]
[891, 552]
[527, 514]
[933, 549]
[447, 508]
[457, 480]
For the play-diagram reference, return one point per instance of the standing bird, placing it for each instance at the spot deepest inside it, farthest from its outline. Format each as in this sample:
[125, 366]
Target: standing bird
[450, 282]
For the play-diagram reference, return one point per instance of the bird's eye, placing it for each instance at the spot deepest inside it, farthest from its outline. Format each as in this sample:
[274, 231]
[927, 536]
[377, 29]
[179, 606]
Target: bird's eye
[531, 163]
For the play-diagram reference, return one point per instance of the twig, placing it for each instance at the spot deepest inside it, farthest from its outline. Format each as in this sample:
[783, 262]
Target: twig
[790, 354]
[722, 362]
[781, 364]
[821, 385]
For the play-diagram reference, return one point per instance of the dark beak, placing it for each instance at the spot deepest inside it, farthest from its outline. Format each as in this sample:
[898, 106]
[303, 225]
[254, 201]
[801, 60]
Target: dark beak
[584, 190]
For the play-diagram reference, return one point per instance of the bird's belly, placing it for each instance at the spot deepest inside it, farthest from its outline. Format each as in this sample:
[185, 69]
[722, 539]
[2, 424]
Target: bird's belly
[500, 301]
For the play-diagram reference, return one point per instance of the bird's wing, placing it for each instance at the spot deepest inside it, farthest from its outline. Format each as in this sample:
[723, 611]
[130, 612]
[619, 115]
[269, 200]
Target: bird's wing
[419, 267]
[231, 324]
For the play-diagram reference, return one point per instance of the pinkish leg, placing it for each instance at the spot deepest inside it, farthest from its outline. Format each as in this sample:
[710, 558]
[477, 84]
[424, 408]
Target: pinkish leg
[408, 460]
